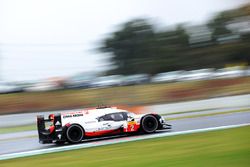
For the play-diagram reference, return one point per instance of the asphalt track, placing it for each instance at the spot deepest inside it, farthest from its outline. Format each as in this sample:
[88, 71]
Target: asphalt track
[27, 143]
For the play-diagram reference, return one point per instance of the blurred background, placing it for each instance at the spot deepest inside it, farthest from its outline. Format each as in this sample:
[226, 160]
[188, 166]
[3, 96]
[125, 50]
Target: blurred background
[62, 55]
[185, 60]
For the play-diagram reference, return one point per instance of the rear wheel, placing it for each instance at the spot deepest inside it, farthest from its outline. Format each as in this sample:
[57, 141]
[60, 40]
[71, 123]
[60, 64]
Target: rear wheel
[74, 133]
[149, 124]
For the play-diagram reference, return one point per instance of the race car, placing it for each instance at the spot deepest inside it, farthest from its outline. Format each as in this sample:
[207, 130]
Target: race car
[73, 127]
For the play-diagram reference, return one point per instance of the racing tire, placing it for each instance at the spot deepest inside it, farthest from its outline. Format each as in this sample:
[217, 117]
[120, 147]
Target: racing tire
[75, 133]
[149, 124]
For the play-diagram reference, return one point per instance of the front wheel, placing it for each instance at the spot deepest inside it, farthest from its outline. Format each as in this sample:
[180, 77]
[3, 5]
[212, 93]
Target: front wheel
[74, 133]
[149, 124]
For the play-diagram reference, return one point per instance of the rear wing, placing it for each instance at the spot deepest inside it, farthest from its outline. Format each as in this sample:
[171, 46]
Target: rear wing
[49, 129]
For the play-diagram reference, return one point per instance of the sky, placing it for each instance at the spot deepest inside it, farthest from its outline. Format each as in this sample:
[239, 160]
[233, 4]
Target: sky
[40, 39]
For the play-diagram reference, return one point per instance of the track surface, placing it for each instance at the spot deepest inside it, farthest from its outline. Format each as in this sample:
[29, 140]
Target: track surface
[212, 105]
[15, 145]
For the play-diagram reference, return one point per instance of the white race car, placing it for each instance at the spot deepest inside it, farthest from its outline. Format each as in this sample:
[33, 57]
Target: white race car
[73, 127]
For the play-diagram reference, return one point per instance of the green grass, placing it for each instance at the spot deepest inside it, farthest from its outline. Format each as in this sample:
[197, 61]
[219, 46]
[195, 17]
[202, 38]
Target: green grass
[218, 148]
[17, 129]
[208, 114]
[190, 111]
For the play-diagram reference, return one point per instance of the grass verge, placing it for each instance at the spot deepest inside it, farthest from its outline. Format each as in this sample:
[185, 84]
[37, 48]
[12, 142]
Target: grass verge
[228, 148]
[208, 114]
[17, 128]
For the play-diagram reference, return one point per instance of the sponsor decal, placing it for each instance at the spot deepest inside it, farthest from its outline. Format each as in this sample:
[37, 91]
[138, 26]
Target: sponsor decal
[67, 116]
[70, 115]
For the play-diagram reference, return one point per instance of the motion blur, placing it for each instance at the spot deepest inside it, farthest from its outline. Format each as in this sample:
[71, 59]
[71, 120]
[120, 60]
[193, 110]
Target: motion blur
[195, 74]
[150, 64]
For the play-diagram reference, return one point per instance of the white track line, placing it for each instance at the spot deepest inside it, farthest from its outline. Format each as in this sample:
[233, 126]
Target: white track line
[108, 142]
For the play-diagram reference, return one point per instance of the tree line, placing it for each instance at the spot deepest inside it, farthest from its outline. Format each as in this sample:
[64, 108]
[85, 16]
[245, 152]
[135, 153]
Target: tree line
[139, 47]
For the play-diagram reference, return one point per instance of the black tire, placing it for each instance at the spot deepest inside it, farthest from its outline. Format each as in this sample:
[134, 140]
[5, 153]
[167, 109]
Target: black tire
[149, 124]
[74, 133]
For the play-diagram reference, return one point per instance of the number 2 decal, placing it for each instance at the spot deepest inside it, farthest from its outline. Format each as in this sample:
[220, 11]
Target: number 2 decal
[132, 128]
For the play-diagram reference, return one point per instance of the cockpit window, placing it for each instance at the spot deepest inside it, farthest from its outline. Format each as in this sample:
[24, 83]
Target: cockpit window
[106, 117]
[114, 117]
[117, 117]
